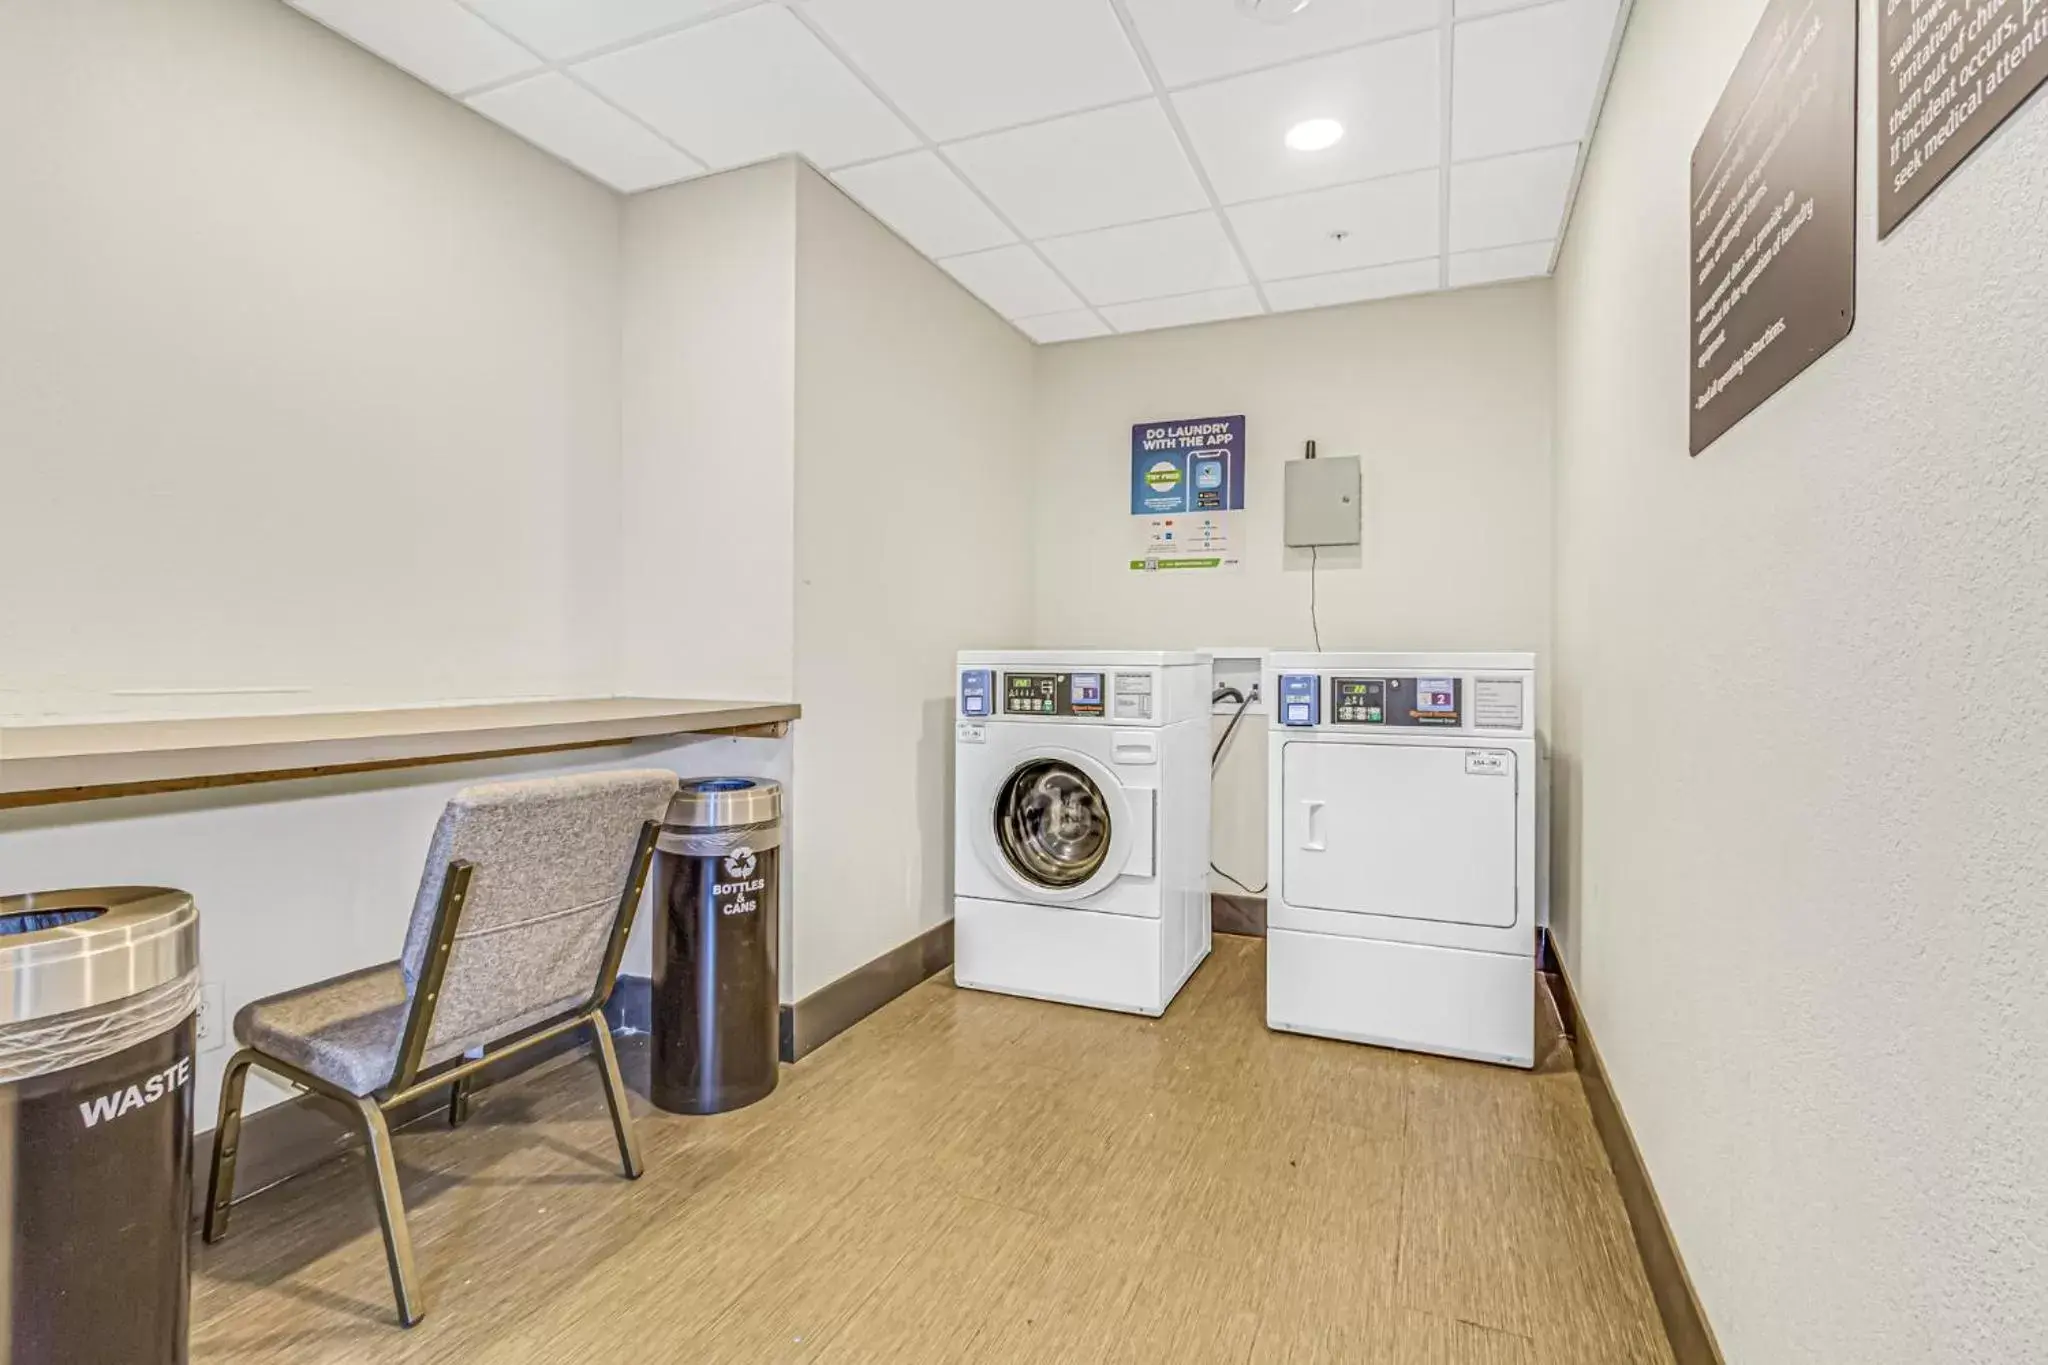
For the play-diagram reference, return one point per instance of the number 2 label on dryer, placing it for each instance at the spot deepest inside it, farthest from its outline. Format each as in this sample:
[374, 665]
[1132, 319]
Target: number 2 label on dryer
[1486, 763]
[970, 732]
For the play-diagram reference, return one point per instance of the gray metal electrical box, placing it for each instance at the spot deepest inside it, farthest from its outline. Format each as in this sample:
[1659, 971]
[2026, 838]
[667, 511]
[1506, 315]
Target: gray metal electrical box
[1323, 501]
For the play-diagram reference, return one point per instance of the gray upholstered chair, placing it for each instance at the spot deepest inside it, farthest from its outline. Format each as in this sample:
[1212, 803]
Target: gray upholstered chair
[517, 931]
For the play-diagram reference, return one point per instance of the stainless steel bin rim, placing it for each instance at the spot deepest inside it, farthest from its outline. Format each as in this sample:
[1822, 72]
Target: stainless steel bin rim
[118, 942]
[723, 802]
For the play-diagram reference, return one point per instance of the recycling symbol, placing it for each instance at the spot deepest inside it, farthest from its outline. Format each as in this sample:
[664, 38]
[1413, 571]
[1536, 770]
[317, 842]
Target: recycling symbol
[739, 864]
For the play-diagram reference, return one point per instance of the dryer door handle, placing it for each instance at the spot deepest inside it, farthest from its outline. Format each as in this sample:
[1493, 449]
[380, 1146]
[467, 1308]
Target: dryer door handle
[1312, 835]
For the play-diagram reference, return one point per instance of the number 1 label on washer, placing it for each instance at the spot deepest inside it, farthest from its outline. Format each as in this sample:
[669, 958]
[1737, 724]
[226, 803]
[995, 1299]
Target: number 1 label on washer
[970, 732]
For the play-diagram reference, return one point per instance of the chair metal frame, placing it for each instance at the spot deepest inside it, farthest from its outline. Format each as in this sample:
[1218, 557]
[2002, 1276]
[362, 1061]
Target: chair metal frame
[408, 1084]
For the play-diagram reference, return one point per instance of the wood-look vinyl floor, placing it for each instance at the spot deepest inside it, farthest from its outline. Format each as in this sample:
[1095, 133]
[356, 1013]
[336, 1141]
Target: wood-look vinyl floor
[968, 1177]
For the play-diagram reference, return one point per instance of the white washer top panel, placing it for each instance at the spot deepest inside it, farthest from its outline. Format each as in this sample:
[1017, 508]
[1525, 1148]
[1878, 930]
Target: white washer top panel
[1068, 659]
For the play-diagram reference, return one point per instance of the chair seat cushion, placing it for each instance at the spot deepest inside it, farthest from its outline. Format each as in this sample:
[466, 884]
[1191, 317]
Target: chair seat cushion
[345, 1031]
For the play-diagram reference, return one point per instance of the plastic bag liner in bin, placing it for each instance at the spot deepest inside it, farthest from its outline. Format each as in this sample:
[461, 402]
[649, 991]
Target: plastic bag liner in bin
[97, 994]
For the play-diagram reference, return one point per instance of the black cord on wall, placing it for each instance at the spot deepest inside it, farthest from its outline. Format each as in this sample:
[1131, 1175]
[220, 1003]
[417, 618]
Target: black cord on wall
[1315, 561]
[1244, 703]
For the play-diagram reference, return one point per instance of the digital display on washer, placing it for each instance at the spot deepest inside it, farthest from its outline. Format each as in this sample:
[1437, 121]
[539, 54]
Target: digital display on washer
[1031, 694]
[1053, 694]
[1360, 701]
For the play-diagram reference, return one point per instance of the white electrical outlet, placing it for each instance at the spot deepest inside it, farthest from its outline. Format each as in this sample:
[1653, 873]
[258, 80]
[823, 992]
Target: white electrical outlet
[212, 1011]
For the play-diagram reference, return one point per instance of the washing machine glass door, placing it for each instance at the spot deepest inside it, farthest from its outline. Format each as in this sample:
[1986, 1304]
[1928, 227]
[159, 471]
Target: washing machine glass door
[1052, 824]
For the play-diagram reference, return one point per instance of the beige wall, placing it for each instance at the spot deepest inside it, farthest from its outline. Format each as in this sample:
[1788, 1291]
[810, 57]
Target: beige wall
[308, 376]
[913, 540]
[1447, 399]
[1803, 721]
[308, 382]
[709, 436]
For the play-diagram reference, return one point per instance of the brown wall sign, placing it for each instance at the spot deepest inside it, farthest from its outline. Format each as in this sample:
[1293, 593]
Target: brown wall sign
[1948, 73]
[1774, 213]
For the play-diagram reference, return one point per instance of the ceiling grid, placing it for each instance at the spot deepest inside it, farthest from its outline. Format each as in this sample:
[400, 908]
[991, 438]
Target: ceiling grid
[1084, 166]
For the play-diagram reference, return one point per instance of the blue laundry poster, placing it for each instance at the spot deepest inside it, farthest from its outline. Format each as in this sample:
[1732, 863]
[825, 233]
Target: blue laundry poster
[1187, 494]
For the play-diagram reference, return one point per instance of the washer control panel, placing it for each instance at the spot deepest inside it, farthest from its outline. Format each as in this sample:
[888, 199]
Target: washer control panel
[1053, 694]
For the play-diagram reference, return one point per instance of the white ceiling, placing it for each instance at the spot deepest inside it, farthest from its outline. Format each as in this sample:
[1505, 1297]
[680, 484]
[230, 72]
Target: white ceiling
[1085, 166]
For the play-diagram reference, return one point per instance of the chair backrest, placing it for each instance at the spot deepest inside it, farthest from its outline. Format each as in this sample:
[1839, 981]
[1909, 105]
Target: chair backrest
[549, 858]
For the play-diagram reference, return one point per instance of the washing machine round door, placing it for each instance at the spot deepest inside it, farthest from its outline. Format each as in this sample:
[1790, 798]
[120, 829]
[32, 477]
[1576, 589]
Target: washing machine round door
[1053, 824]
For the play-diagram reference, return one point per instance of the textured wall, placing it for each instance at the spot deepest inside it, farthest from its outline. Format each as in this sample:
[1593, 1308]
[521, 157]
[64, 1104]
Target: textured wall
[308, 376]
[708, 436]
[913, 542]
[1803, 722]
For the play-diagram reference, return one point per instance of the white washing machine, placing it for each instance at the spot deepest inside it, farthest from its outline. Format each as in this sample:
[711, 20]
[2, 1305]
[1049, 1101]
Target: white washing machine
[1403, 851]
[1081, 826]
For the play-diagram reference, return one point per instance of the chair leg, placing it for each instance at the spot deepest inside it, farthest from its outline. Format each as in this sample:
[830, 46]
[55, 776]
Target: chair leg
[391, 1213]
[227, 1143]
[615, 1096]
[458, 1103]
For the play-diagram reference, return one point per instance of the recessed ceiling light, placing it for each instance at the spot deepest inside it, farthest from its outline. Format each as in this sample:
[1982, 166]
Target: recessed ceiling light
[1315, 135]
[1272, 11]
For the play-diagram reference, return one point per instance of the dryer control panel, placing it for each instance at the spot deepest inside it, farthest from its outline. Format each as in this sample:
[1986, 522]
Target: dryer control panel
[1403, 701]
[1301, 699]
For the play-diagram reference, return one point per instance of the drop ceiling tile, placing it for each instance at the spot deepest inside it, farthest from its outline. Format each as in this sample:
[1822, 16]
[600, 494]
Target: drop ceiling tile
[436, 40]
[1528, 78]
[1383, 222]
[1013, 281]
[1064, 326]
[1355, 286]
[1385, 95]
[1473, 9]
[1144, 261]
[1502, 263]
[1191, 41]
[557, 115]
[921, 197]
[960, 67]
[1214, 306]
[1084, 171]
[1508, 200]
[747, 87]
[558, 30]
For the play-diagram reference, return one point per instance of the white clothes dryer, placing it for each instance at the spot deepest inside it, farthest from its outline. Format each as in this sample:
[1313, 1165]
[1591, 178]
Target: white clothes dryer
[1081, 825]
[1402, 839]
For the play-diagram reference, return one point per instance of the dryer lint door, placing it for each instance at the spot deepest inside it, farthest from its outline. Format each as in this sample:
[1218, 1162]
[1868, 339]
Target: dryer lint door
[1415, 832]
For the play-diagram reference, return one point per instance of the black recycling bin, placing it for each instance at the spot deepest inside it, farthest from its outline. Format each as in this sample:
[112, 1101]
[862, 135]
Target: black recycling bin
[716, 946]
[98, 991]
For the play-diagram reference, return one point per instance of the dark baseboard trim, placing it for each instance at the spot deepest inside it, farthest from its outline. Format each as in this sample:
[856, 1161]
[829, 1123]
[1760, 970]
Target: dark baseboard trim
[1234, 914]
[1685, 1322]
[831, 1010]
[309, 1130]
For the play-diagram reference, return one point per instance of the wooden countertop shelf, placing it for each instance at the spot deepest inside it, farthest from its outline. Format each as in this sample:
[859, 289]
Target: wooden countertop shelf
[49, 764]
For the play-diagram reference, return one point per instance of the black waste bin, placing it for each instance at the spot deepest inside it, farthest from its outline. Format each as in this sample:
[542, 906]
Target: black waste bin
[98, 990]
[716, 946]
